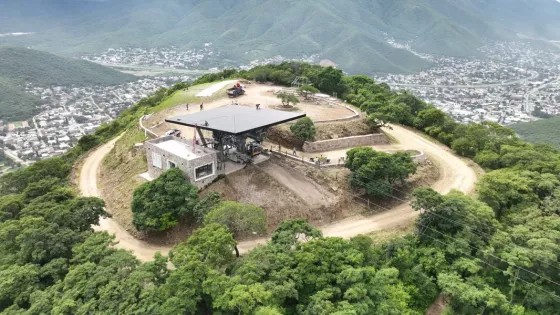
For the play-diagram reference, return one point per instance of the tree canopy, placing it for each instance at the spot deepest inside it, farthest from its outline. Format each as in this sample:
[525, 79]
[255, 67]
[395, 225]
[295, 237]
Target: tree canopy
[493, 253]
[377, 172]
[307, 90]
[241, 219]
[158, 205]
[304, 129]
[287, 99]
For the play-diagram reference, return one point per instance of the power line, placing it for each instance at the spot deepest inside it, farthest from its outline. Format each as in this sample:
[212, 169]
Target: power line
[478, 249]
[465, 225]
[485, 262]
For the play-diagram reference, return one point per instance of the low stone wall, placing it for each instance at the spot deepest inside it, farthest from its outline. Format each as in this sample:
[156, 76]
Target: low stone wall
[344, 143]
[356, 115]
[418, 157]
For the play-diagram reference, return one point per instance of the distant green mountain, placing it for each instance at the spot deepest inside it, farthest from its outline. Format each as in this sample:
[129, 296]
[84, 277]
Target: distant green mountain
[352, 33]
[19, 66]
[543, 131]
[15, 104]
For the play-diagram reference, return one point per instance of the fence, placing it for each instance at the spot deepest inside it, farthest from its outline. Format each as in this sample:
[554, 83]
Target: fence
[317, 162]
[146, 130]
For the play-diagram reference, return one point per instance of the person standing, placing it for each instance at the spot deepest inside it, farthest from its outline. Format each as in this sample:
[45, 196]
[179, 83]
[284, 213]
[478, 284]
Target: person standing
[187, 106]
[294, 151]
[201, 106]
[258, 106]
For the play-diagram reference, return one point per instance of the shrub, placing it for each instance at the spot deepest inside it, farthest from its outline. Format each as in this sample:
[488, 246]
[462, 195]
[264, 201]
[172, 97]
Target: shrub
[158, 205]
[304, 129]
[240, 218]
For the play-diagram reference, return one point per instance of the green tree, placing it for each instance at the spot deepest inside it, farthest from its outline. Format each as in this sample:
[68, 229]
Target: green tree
[506, 188]
[287, 98]
[304, 129]
[206, 203]
[40, 188]
[88, 142]
[158, 205]
[282, 77]
[377, 172]
[17, 181]
[241, 219]
[291, 232]
[429, 117]
[451, 217]
[329, 80]
[10, 206]
[307, 90]
[376, 121]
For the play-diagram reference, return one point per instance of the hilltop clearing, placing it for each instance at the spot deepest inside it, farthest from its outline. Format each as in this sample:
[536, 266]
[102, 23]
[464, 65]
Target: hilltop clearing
[493, 252]
[283, 188]
[263, 94]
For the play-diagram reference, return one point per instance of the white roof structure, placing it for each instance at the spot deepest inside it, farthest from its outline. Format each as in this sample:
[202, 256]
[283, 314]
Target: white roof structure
[181, 149]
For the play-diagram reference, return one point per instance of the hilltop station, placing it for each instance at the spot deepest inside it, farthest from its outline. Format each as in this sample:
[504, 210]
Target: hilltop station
[236, 136]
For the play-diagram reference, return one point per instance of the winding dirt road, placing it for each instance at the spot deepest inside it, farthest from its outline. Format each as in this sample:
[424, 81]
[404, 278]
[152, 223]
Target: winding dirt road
[455, 174]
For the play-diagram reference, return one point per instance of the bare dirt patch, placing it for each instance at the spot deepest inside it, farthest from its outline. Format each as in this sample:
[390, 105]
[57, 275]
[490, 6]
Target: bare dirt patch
[118, 177]
[438, 306]
[287, 191]
[255, 94]
[283, 136]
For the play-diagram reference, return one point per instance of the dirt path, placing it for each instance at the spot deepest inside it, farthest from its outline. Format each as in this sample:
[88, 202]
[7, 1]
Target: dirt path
[88, 187]
[455, 174]
[314, 195]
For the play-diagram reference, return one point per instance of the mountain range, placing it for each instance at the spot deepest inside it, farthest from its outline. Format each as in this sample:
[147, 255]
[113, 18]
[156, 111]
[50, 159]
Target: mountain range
[19, 66]
[351, 33]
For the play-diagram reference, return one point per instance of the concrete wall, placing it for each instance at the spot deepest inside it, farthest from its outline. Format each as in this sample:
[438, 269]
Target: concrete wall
[187, 166]
[417, 156]
[344, 143]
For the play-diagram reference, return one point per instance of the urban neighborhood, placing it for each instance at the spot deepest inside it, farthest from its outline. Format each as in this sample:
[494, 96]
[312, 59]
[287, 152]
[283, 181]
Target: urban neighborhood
[515, 83]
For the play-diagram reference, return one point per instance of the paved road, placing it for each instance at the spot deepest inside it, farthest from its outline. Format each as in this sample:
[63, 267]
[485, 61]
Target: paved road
[155, 68]
[455, 174]
[527, 105]
[534, 75]
[12, 155]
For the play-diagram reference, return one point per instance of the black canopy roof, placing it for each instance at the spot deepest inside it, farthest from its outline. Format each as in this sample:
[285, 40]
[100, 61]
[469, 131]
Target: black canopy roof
[235, 119]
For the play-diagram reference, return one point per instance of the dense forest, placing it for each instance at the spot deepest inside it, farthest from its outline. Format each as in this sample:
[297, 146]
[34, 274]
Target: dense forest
[19, 66]
[497, 253]
[543, 130]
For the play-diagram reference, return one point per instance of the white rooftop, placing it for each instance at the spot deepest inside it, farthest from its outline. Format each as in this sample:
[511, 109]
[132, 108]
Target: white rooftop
[180, 149]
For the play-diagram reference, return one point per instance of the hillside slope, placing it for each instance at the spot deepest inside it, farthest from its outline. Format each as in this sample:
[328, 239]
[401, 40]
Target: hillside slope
[540, 131]
[15, 104]
[352, 33]
[19, 66]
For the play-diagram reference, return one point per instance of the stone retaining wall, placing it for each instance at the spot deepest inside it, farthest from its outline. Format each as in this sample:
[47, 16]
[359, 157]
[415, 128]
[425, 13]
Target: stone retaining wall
[356, 115]
[344, 143]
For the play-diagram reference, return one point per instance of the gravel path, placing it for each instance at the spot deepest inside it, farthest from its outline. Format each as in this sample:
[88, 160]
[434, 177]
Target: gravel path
[455, 174]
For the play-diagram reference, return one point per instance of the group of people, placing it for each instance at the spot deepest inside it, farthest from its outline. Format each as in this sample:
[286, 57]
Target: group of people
[258, 106]
[201, 106]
